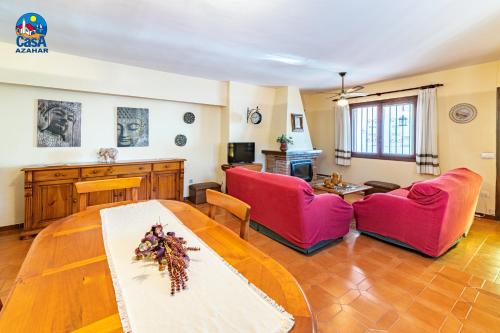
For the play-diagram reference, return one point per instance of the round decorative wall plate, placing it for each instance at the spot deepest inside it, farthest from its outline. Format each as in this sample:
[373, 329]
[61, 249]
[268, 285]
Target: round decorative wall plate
[189, 117]
[180, 140]
[463, 113]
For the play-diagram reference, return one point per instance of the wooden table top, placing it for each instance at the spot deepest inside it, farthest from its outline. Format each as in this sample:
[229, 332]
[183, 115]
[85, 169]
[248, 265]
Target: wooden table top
[65, 284]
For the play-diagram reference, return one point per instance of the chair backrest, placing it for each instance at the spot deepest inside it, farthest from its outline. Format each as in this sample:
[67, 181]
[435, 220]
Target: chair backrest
[235, 206]
[84, 188]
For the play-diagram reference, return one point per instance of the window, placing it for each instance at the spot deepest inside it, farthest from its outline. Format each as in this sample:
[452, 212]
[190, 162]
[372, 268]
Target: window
[384, 129]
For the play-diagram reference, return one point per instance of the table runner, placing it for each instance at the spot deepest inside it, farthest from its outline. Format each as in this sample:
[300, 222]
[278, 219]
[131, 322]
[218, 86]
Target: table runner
[217, 298]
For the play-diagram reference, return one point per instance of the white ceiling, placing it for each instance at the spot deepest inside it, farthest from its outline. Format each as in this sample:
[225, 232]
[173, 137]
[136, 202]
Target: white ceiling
[241, 40]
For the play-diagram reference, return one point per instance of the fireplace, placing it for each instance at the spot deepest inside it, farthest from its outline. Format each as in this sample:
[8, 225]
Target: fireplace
[302, 169]
[281, 162]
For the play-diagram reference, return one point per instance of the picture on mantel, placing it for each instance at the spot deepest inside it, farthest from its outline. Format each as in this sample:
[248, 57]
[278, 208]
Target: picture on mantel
[59, 124]
[132, 127]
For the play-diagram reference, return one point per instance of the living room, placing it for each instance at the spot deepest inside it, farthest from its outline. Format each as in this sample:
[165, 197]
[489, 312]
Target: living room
[319, 174]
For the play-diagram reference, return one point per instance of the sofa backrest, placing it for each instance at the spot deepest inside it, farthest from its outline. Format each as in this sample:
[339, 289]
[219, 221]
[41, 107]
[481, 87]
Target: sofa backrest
[277, 187]
[456, 192]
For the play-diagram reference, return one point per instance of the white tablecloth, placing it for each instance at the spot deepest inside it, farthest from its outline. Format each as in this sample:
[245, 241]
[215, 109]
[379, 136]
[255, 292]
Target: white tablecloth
[217, 298]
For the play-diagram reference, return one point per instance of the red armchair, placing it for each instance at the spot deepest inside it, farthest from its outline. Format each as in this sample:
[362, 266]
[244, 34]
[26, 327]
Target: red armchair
[286, 209]
[430, 216]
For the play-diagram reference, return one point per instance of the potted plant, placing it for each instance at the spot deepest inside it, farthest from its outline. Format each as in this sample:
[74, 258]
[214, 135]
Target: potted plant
[284, 142]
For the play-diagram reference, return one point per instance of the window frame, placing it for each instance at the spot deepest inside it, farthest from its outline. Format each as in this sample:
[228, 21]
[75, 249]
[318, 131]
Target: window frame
[380, 104]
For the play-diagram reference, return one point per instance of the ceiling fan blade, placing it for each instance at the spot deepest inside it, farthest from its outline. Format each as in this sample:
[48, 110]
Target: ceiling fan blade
[353, 89]
[333, 96]
[355, 94]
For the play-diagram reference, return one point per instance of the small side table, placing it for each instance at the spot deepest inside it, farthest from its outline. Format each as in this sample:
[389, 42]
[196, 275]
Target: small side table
[197, 192]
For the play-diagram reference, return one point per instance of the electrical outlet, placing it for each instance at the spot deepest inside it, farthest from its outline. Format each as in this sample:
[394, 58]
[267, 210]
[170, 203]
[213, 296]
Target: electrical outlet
[488, 156]
[190, 181]
[484, 194]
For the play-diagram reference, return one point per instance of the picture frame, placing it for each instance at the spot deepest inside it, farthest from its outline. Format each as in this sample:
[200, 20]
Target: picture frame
[297, 122]
[132, 127]
[59, 123]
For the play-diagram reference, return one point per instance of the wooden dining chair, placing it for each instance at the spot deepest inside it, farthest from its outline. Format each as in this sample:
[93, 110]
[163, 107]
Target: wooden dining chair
[235, 206]
[1, 305]
[84, 188]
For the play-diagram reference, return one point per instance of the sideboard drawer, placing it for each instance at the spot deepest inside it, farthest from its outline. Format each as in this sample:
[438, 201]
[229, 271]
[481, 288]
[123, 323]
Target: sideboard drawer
[166, 166]
[115, 170]
[41, 176]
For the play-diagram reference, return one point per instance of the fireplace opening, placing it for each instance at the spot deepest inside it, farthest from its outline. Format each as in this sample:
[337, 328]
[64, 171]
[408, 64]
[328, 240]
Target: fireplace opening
[302, 169]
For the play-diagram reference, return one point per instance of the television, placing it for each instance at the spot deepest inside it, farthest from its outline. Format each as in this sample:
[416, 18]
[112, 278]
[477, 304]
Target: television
[240, 152]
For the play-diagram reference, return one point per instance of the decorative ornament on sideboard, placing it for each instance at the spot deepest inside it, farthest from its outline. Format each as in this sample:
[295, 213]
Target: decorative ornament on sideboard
[284, 141]
[180, 140]
[189, 117]
[254, 116]
[463, 113]
[107, 155]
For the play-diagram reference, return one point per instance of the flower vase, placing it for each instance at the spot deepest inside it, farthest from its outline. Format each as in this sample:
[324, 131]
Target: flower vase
[284, 146]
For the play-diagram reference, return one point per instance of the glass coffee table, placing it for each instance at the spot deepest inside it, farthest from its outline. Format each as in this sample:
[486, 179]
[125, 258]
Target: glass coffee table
[349, 188]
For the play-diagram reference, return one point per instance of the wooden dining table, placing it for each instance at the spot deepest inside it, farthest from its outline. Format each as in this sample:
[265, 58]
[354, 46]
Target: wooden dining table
[65, 285]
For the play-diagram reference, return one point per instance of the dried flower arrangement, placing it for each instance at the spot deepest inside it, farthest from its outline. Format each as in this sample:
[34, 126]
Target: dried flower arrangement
[169, 251]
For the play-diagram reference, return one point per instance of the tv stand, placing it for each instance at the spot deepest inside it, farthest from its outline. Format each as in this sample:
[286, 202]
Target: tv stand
[250, 166]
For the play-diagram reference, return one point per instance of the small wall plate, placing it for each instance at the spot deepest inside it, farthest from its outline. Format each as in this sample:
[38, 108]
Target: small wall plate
[189, 117]
[463, 113]
[180, 140]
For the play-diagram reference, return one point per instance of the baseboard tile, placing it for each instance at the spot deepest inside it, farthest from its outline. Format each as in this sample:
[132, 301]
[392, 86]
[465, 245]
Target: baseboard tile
[488, 217]
[11, 227]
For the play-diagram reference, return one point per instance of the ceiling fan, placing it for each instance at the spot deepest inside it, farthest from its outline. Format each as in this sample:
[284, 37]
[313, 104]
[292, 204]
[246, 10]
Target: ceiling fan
[344, 94]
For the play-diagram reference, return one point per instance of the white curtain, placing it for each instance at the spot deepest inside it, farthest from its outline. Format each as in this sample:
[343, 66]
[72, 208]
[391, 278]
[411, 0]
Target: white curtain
[426, 144]
[342, 135]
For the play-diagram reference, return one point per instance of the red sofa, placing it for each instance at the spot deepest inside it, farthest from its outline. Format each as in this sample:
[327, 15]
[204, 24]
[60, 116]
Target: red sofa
[430, 216]
[286, 209]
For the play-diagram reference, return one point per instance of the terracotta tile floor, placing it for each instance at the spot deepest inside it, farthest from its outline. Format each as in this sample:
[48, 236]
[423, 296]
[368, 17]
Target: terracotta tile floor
[364, 285]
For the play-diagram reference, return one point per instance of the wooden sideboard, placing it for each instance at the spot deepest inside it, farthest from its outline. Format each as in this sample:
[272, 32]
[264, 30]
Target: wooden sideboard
[50, 194]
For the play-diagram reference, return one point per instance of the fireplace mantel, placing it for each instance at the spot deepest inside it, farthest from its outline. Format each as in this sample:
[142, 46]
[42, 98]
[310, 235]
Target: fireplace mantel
[279, 162]
[313, 152]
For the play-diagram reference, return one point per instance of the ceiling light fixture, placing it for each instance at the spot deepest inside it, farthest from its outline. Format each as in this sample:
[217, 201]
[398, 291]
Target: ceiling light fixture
[342, 102]
[286, 59]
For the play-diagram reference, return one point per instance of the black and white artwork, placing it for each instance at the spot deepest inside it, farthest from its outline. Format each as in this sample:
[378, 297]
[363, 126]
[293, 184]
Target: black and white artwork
[59, 124]
[133, 127]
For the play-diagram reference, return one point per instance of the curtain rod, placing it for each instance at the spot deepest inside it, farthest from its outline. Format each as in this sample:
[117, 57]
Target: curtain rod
[395, 91]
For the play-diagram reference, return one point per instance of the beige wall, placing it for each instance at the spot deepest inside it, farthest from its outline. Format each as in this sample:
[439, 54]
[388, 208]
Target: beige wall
[69, 72]
[242, 96]
[101, 87]
[276, 106]
[18, 137]
[459, 144]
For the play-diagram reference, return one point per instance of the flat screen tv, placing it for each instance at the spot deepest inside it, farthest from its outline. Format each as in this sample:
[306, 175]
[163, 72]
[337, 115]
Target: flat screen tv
[240, 152]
